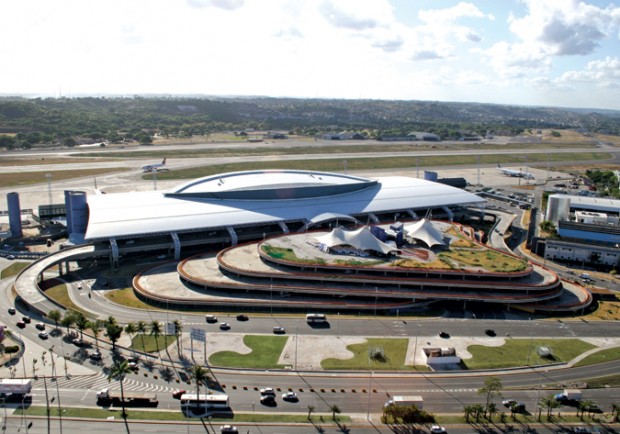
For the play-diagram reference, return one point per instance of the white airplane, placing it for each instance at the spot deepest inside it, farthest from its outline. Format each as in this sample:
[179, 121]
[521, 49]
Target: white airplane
[518, 173]
[151, 167]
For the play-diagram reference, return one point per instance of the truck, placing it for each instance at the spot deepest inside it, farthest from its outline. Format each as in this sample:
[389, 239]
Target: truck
[132, 399]
[403, 401]
[15, 387]
[569, 395]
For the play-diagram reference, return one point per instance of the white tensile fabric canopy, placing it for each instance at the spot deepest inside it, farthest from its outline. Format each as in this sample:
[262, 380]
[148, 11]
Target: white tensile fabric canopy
[424, 230]
[361, 239]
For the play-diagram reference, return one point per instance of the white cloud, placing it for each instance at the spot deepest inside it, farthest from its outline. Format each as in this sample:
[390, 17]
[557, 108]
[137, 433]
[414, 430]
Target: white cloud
[602, 73]
[222, 4]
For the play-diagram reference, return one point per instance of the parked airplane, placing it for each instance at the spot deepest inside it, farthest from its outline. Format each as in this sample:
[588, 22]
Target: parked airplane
[151, 167]
[518, 173]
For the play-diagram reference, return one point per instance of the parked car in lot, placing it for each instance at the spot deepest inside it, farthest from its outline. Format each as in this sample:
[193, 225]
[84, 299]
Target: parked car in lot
[95, 356]
[224, 326]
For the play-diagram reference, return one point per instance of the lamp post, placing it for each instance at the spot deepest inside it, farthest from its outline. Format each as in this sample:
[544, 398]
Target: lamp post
[49, 188]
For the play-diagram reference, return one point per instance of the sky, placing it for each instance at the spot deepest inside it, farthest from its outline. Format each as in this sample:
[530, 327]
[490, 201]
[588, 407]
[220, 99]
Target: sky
[562, 53]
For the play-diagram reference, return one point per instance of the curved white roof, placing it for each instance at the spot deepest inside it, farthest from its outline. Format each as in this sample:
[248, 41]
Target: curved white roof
[360, 238]
[264, 199]
[424, 230]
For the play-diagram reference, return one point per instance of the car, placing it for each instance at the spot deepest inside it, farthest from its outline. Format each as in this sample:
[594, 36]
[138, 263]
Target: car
[518, 407]
[77, 342]
[229, 429]
[95, 356]
[26, 319]
[210, 318]
[133, 366]
[224, 326]
[43, 335]
[592, 408]
[11, 257]
[489, 332]
[509, 402]
[178, 393]
[444, 335]
[79, 286]
[290, 396]
[279, 330]
[267, 391]
[40, 326]
[437, 429]
[242, 317]
[21, 324]
[268, 400]
[12, 310]
[581, 430]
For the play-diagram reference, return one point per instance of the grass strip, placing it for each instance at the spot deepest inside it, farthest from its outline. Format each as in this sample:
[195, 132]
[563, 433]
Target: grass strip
[13, 269]
[18, 179]
[147, 343]
[523, 352]
[60, 295]
[389, 354]
[606, 355]
[377, 163]
[265, 353]
[135, 414]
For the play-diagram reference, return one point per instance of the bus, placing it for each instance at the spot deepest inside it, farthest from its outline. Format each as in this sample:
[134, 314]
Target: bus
[199, 405]
[316, 318]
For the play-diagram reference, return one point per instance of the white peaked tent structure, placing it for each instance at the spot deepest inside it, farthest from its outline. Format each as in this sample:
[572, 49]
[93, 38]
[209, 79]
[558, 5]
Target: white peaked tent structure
[361, 239]
[425, 231]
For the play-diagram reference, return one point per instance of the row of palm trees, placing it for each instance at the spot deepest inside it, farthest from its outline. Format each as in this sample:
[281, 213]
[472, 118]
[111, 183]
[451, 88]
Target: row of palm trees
[113, 330]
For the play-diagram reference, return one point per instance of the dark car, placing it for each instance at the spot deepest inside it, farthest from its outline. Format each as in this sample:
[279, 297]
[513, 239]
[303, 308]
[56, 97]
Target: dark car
[95, 356]
[242, 317]
[178, 393]
[268, 400]
[21, 324]
[444, 335]
[40, 326]
[26, 319]
[489, 332]
[12, 310]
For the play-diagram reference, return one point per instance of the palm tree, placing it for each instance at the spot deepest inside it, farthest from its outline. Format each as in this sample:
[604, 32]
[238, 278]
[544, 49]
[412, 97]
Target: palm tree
[199, 375]
[492, 410]
[68, 319]
[95, 327]
[478, 411]
[55, 316]
[468, 410]
[335, 410]
[141, 328]
[310, 410]
[131, 329]
[113, 331]
[81, 322]
[178, 329]
[155, 328]
[118, 371]
[492, 387]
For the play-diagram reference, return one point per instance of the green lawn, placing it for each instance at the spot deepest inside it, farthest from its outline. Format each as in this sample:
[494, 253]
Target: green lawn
[60, 295]
[606, 355]
[13, 269]
[147, 343]
[394, 351]
[265, 353]
[515, 353]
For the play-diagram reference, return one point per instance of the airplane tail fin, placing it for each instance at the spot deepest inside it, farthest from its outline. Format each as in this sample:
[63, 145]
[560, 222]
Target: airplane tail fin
[498, 166]
[164, 161]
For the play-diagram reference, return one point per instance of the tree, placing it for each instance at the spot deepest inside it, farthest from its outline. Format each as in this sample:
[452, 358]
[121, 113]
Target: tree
[310, 410]
[615, 411]
[118, 371]
[492, 387]
[55, 316]
[468, 411]
[81, 322]
[178, 332]
[335, 410]
[131, 329]
[199, 375]
[113, 331]
[141, 328]
[549, 403]
[155, 331]
[68, 320]
[96, 326]
[478, 410]
[492, 410]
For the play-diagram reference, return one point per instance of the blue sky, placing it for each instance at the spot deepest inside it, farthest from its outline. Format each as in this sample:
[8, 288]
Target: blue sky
[526, 52]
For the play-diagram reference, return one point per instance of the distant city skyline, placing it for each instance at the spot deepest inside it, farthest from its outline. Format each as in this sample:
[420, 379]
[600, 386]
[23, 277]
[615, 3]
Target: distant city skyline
[563, 53]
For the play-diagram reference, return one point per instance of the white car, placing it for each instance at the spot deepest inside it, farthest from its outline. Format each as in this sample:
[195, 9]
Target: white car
[437, 429]
[268, 391]
[229, 429]
[289, 396]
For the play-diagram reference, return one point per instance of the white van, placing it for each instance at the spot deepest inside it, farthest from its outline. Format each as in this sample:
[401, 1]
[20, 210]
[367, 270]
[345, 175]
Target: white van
[584, 276]
[210, 318]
